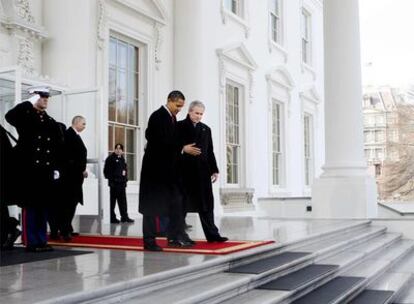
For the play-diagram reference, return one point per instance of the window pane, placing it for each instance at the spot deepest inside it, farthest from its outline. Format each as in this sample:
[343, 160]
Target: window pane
[111, 138]
[122, 55]
[130, 138]
[119, 135]
[122, 105]
[229, 156]
[112, 52]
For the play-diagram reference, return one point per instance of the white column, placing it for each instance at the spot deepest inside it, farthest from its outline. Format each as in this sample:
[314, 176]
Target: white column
[344, 190]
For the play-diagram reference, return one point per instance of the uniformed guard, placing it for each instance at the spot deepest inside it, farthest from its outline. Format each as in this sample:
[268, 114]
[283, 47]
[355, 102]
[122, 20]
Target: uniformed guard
[39, 150]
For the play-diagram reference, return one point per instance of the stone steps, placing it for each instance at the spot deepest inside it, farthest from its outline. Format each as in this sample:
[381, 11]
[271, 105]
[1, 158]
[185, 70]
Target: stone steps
[219, 287]
[120, 292]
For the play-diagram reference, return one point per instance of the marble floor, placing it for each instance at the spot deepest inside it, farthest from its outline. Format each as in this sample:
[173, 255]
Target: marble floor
[44, 280]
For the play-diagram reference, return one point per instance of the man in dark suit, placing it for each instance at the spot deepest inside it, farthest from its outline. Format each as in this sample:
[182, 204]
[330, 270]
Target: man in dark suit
[199, 171]
[160, 193]
[74, 174]
[39, 151]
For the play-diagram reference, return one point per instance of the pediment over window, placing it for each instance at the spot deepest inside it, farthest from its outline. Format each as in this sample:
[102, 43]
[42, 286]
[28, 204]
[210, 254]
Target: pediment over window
[311, 94]
[238, 54]
[281, 76]
[152, 9]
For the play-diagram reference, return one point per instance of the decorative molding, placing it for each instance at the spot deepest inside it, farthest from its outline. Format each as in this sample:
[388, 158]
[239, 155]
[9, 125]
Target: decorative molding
[307, 68]
[22, 9]
[158, 43]
[311, 95]
[281, 76]
[155, 12]
[25, 57]
[101, 23]
[236, 196]
[239, 55]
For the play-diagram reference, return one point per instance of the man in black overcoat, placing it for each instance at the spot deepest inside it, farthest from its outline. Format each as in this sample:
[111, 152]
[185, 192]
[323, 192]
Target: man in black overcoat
[160, 192]
[39, 151]
[199, 171]
[74, 174]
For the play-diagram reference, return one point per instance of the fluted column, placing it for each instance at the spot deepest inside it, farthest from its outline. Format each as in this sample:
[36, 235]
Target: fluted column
[344, 189]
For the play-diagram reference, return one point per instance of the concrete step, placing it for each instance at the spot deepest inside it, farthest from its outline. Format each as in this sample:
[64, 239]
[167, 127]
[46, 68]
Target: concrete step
[222, 286]
[169, 279]
[345, 260]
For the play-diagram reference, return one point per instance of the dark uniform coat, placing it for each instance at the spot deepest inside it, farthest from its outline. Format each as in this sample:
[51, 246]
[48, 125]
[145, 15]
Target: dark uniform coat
[114, 166]
[158, 185]
[197, 170]
[75, 165]
[39, 151]
[7, 181]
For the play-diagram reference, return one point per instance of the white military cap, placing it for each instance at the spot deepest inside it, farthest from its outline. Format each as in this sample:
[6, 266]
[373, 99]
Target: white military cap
[43, 90]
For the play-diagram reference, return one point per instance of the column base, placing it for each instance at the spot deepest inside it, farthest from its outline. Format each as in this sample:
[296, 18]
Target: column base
[344, 197]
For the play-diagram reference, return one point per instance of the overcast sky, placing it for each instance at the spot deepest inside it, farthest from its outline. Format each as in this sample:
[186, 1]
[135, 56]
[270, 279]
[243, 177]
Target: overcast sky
[387, 41]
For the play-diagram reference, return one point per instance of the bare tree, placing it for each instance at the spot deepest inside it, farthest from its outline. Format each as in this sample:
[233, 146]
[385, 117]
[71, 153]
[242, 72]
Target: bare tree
[397, 177]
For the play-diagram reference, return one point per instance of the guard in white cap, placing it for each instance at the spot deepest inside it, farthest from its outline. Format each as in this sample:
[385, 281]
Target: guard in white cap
[39, 149]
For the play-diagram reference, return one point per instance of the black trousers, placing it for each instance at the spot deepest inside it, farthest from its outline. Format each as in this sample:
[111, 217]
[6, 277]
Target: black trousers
[176, 225]
[60, 218]
[207, 222]
[118, 194]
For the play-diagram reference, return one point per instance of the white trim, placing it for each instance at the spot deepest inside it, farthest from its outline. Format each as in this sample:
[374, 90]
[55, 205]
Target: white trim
[152, 15]
[239, 20]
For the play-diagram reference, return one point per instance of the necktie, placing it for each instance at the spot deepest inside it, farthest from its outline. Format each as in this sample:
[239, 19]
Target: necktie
[173, 119]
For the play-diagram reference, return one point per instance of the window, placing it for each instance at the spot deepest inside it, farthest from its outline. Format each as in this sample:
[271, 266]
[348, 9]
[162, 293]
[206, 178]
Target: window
[234, 6]
[377, 170]
[275, 21]
[233, 133]
[307, 129]
[306, 36]
[276, 143]
[379, 136]
[123, 100]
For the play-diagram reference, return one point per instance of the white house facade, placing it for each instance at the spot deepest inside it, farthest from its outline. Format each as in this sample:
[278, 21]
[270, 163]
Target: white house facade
[257, 66]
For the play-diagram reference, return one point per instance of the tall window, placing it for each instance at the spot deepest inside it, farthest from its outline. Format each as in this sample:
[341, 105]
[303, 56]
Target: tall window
[276, 143]
[234, 6]
[123, 100]
[233, 133]
[275, 21]
[306, 36]
[307, 136]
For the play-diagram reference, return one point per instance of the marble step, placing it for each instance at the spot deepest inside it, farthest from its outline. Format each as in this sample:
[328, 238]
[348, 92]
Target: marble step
[163, 280]
[222, 286]
[390, 285]
[346, 260]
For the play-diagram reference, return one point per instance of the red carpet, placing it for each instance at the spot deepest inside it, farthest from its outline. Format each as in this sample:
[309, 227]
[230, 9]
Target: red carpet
[135, 243]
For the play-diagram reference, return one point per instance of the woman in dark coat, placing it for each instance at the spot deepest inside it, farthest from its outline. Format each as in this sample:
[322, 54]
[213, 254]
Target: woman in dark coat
[115, 171]
[198, 172]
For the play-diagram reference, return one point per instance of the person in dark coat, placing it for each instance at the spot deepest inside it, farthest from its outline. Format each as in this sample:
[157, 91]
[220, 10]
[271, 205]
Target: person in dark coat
[75, 156]
[115, 170]
[199, 171]
[8, 230]
[39, 152]
[160, 193]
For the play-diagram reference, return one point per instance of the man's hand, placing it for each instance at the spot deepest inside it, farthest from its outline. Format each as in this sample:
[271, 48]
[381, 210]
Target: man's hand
[214, 177]
[85, 174]
[34, 98]
[56, 174]
[192, 150]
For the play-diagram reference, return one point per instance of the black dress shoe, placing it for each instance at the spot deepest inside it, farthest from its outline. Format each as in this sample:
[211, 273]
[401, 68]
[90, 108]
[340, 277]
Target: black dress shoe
[179, 244]
[127, 220]
[115, 221]
[188, 240]
[186, 226]
[75, 233]
[152, 247]
[45, 248]
[54, 237]
[67, 237]
[218, 239]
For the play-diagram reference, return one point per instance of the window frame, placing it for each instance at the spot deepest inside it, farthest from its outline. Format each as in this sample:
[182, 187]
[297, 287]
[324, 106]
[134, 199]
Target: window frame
[112, 124]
